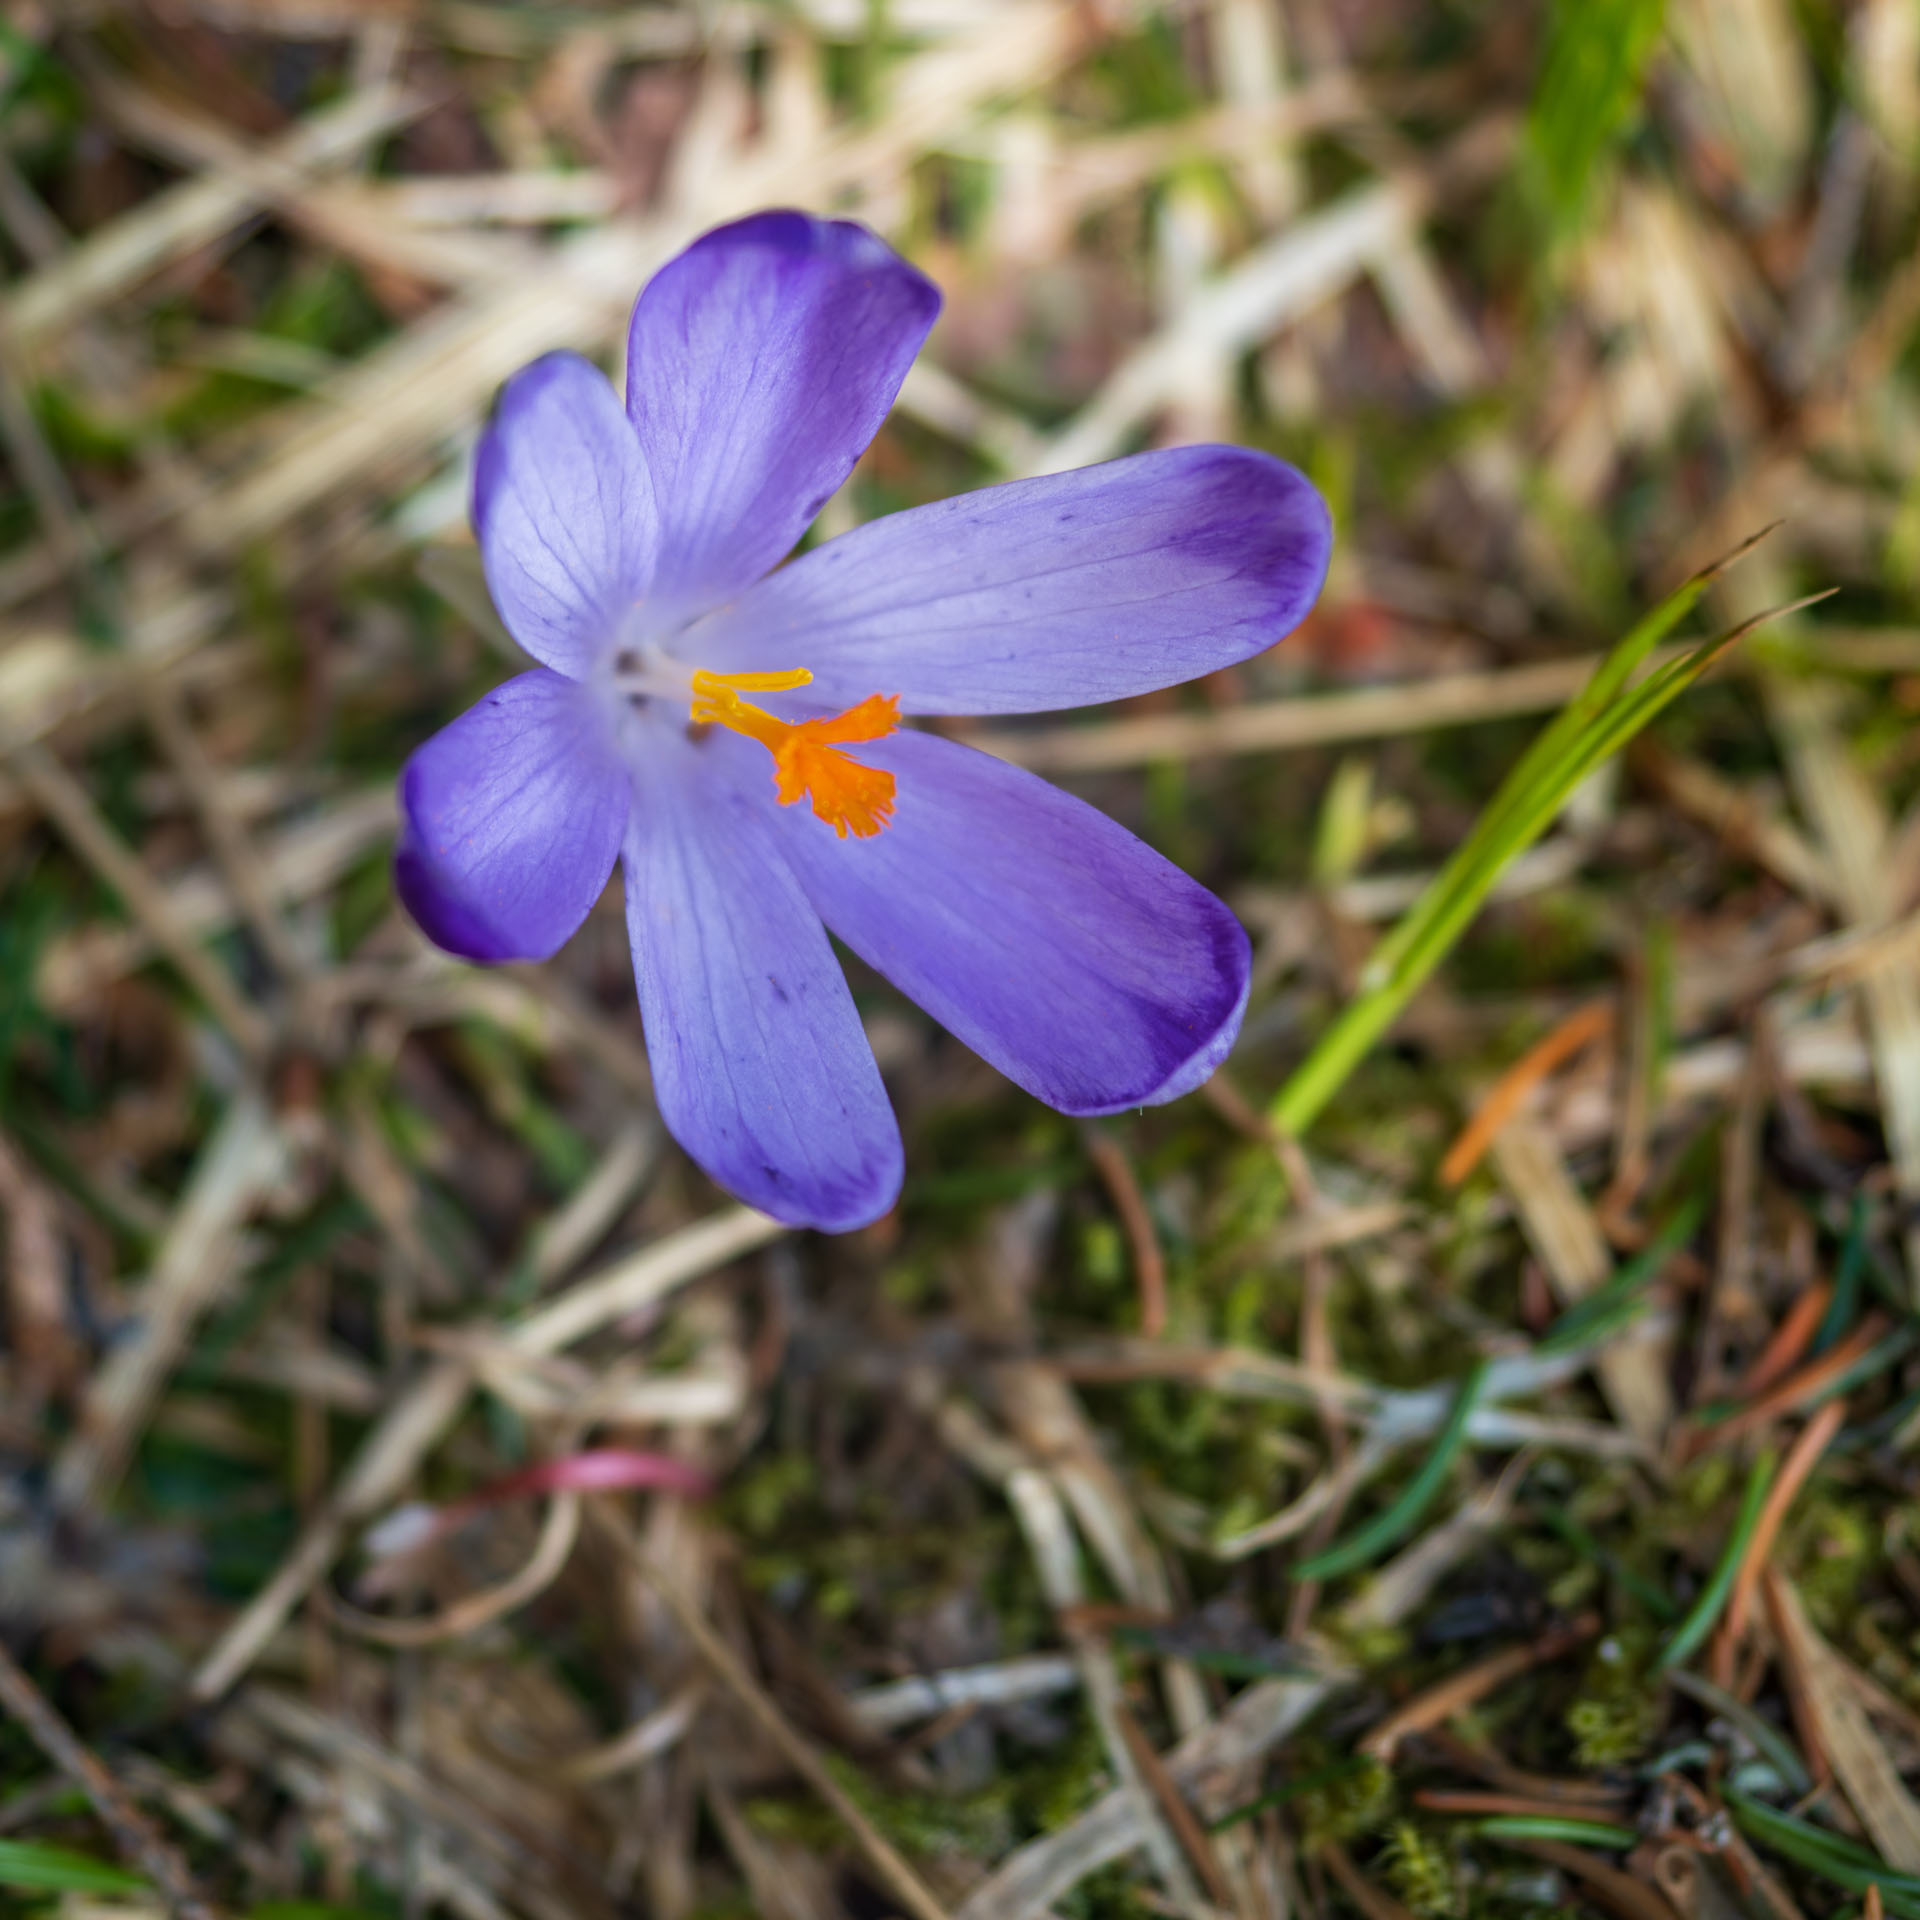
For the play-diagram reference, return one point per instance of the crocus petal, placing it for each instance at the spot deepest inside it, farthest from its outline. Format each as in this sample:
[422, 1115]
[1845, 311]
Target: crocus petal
[563, 511]
[1056, 592]
[759, 365]
[1061, 949]
[510, 820]
[760, 1066]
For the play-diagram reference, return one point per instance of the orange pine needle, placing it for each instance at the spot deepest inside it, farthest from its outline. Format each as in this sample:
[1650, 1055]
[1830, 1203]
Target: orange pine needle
[1503, 1100]
[1788, 1342]
[1796, 1387]
[1814, 1439]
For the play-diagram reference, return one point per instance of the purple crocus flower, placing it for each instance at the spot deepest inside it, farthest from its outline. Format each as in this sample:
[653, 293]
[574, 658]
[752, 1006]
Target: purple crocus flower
[633, 553]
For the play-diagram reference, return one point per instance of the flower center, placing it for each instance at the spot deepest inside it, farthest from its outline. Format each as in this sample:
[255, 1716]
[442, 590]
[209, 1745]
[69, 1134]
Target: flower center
[848, 796]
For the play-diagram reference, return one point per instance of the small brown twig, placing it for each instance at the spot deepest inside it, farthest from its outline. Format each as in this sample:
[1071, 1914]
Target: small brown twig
[134, 1835]
[1471, 1800]
[1116, 1173]
[1619, 1893]
[1485, 1764]
[1461, 1690]
[1235, 1108]
[473, 1611]
[799, 1753]
[1180, 1817]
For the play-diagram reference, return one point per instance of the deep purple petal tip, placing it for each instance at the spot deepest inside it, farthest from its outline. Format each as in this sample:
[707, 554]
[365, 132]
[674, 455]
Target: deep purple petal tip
[1069, 954]
[1057, 592]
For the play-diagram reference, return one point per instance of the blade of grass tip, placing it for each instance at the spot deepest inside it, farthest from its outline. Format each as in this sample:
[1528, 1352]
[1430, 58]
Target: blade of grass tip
[1517, 815]
[1848, 1273]
[1397, 1519]
[1693, 1630]
[1655, 626]
[1610, 727]
[1533, 809]
[1523, 810]
[1613, 728]
[1766, 1739]
[1547, 747]
[1581, 1833]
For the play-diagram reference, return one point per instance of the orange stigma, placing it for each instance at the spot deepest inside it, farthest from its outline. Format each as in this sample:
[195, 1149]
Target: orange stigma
[849, 797]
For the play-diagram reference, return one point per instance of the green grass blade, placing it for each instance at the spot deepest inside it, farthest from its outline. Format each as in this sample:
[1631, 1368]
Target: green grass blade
[1597, 54]
[1828, 1854]
[1587, 1319]
[1691, 1631]
[1581, 1833]
[34, 1867]
[1774, 1747]
[1396, 1520]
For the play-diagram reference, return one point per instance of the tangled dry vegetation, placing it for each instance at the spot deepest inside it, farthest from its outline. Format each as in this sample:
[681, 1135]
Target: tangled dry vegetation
[421, 1493]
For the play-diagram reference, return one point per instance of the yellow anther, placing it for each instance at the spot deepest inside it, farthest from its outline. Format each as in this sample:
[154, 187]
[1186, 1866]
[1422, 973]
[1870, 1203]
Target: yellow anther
[755, 682]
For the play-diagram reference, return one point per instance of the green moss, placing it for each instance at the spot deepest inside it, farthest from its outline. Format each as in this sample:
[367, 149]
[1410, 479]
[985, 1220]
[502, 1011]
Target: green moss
[1358, 1803]
[1421, 1868]
[1060, 1791]
[917, 1823]
[765, 1493]
[1372, 1646]
[1834, 1546]
[1113, 1893]
[1103, 1253]
[1616, 1717]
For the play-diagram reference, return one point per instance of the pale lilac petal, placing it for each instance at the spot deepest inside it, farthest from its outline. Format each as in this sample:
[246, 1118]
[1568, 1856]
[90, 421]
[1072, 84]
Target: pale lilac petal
[760, 1065]
[563, 511]
[1061, 949]
[510, 820]
[759, 365]
[1057, 592]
